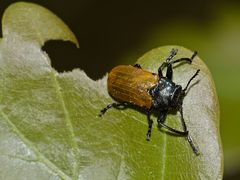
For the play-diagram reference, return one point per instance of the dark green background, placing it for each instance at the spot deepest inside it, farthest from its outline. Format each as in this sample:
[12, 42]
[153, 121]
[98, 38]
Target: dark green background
[115, 32]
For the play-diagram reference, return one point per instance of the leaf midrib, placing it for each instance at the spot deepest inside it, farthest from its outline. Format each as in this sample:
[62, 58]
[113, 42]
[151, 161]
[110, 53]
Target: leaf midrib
[68, 124]
[67, 117]
[39, 155]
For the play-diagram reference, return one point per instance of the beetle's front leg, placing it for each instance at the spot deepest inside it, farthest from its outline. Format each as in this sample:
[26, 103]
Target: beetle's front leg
[185, 59]
[167, 62]
[160, 71]
[161, 119]
[169, 65]
[189, 139]
[171, 55]
[169, 71]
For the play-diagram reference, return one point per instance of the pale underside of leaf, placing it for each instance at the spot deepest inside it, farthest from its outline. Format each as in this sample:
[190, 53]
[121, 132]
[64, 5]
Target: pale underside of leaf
[49, 124]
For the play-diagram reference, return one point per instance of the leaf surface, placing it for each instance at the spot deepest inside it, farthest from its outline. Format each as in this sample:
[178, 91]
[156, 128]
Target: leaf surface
[49, 124]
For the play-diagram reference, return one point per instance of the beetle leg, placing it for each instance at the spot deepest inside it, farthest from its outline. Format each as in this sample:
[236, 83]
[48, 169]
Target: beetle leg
[169, 71]
[172, 54]
[161, 119]
[160, 71]
[181, 133]
[113, 105]
[189, 139]
[166, 62]
[150, 122]
[137, 66]
[185, 59]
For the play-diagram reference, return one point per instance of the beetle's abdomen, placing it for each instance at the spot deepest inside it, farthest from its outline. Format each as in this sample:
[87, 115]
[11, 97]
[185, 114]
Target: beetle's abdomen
[131, 84]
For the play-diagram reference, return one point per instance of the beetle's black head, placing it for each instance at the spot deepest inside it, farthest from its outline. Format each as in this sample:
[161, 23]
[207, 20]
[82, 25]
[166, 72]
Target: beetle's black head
[167, 95]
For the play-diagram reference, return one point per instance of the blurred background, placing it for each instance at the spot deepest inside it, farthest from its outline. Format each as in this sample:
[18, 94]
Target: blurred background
[117, 32]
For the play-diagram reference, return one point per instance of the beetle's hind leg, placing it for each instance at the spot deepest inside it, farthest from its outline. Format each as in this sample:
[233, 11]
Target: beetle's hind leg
[109, 106]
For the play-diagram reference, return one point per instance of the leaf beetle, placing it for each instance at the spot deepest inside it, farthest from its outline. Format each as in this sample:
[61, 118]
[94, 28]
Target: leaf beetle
[131, 85]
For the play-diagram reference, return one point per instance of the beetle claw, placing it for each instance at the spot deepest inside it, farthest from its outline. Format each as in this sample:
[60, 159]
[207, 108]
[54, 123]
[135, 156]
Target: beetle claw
[148, 136]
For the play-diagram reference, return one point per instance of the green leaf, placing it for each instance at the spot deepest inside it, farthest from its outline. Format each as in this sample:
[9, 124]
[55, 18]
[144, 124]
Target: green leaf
[33, 23]
[49, 124]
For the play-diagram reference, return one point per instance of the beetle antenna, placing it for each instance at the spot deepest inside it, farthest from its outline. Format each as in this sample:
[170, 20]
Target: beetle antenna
[191, 80]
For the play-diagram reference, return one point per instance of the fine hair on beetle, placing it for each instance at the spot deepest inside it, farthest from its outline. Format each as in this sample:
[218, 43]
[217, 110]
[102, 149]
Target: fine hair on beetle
[151, 92]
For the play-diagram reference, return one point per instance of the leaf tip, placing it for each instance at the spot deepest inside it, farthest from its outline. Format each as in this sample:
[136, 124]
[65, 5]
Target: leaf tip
[32, 22]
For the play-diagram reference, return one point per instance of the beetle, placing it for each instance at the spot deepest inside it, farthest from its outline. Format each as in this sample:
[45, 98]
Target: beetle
[131, 85]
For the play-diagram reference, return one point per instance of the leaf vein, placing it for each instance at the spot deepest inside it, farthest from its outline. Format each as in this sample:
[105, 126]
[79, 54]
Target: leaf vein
[69, 125]
[39, 155]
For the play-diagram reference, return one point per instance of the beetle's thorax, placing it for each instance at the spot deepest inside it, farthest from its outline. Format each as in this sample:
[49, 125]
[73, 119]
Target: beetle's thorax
[166, 94]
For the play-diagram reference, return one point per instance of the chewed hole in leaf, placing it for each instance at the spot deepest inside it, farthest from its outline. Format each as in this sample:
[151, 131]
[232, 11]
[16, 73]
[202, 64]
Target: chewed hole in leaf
[64, 55]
